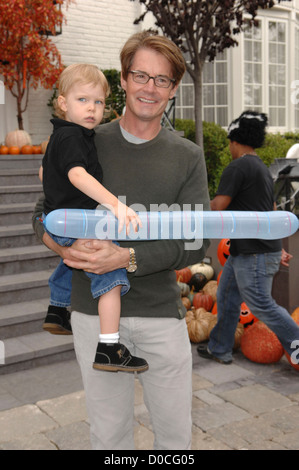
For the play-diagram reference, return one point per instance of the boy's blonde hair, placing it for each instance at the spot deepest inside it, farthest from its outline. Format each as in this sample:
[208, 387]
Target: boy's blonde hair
[79, 73]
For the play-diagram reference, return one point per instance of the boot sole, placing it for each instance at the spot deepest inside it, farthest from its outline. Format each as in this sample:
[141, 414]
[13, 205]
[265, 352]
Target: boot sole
[56, 329]
[112, 368]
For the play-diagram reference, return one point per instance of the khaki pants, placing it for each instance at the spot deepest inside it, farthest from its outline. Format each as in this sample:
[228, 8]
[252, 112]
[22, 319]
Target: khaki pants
[167, 385]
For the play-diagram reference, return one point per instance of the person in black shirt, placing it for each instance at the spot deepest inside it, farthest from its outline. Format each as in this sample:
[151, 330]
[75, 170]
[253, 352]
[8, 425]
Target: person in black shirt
[246, 185]
[71, 176]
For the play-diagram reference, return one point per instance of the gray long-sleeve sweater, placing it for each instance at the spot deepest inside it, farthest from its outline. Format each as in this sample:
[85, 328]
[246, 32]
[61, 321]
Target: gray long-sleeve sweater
[166, 171]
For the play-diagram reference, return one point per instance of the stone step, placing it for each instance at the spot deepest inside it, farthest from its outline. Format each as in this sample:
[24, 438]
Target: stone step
[35, 349]
[26, 259]
[25, 286]
[20, 161]
[15, 177]
[14, 214]
[19, 194]
[17, 235]
[22, 318]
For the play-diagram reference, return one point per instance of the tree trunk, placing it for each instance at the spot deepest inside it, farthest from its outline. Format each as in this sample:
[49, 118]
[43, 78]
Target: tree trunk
[198, 107]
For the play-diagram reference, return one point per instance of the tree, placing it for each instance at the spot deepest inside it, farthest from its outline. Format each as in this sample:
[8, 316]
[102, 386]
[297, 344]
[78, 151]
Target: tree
[202, 29]
[28, 57]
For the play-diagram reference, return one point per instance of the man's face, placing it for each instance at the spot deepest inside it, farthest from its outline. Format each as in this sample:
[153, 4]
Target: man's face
[147, 102]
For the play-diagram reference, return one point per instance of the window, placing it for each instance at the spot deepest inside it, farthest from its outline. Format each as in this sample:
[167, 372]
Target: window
[215, 93]
[253, 68]
[265, 70]
[277, 73]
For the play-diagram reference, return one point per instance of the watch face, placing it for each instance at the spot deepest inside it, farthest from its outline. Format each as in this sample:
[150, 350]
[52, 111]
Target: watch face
[132, 268]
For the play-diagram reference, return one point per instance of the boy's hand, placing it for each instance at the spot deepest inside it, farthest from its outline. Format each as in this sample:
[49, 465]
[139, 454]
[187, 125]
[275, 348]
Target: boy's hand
[126, 216]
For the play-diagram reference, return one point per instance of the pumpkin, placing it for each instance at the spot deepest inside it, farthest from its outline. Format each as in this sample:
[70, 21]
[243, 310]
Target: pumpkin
[36, 149]
[223, 250]
[295, 315]
[4, 150]
[219, 276]
[259, 344]
[198, 321]
[201, 300]
[17, 138]
[238, 333]
[183, 275]
[185, 289]
[44, 145]
[211, 289]
[246, 317]
[214, 309]
[197, 281]
[13, 150]
[203, 268]
[294, 359]
[186, 302]
[26, 150]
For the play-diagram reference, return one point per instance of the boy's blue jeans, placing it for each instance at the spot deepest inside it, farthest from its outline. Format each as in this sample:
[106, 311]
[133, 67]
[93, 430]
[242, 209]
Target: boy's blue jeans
[60, 281]
[248, 278]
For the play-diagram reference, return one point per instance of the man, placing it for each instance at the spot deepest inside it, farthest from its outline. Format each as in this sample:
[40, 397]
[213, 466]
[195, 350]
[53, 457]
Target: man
[246, 185]
[150, 166]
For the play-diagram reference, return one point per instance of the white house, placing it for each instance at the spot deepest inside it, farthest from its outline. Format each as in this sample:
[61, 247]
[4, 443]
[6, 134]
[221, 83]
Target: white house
[262, 73]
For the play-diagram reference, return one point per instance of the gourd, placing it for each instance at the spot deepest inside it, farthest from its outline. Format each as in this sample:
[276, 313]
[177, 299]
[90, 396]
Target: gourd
[185, 289]
[211, 289]
[203, 300]
[26, 150]
[197, 281]
[17, 138]
[198, 321]
[203, 268]
[259, 344]
[183, 275]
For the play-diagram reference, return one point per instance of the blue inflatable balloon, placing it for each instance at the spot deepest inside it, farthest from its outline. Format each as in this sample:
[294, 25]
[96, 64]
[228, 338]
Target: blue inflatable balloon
[176, 225]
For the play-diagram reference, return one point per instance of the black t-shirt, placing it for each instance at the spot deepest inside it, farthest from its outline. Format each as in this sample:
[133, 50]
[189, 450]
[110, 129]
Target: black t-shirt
[249, 183]
[70, 145]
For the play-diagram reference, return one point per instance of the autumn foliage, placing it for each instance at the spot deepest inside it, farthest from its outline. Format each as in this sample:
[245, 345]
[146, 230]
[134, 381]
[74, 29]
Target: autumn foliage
[28, 57]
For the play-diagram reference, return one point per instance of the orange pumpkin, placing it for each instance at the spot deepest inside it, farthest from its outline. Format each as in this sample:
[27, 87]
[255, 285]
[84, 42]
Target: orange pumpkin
[36, 149]
[246, 317]
[294, 360]
[26, 150]
[14, 150]
[205, 301]
[218, 277]
[183, 275]
[259, 344]
[4, 150]
[214, 309]
[223, 250]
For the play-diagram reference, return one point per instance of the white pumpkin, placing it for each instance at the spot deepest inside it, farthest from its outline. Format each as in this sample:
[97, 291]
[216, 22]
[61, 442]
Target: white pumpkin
[203, 268]
[17, 138]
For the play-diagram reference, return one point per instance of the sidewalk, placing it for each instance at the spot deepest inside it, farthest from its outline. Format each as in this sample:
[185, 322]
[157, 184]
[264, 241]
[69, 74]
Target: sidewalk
[244, 406]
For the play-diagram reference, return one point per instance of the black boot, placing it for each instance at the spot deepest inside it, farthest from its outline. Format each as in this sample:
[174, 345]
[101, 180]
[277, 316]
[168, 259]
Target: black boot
[57, 321]
[116, 357]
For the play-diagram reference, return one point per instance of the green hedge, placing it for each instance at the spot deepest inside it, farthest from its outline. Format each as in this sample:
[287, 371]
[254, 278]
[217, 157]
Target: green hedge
[216, 148]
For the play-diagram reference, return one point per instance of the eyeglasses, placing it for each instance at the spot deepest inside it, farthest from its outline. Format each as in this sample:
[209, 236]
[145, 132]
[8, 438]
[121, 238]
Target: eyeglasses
[160, 81]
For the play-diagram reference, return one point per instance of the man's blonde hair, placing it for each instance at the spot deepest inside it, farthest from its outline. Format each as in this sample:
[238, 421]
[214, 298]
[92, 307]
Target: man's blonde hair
[79, 73]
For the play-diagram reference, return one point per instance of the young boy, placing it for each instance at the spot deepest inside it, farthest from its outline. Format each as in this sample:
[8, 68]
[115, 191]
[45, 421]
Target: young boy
[71, 176]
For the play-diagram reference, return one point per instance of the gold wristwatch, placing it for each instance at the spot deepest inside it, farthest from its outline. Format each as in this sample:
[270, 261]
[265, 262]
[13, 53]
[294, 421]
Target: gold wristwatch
[132, 263]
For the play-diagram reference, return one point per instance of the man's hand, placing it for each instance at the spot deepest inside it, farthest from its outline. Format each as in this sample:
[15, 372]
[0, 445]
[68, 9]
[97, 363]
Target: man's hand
[285, 258]
[96, 256]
